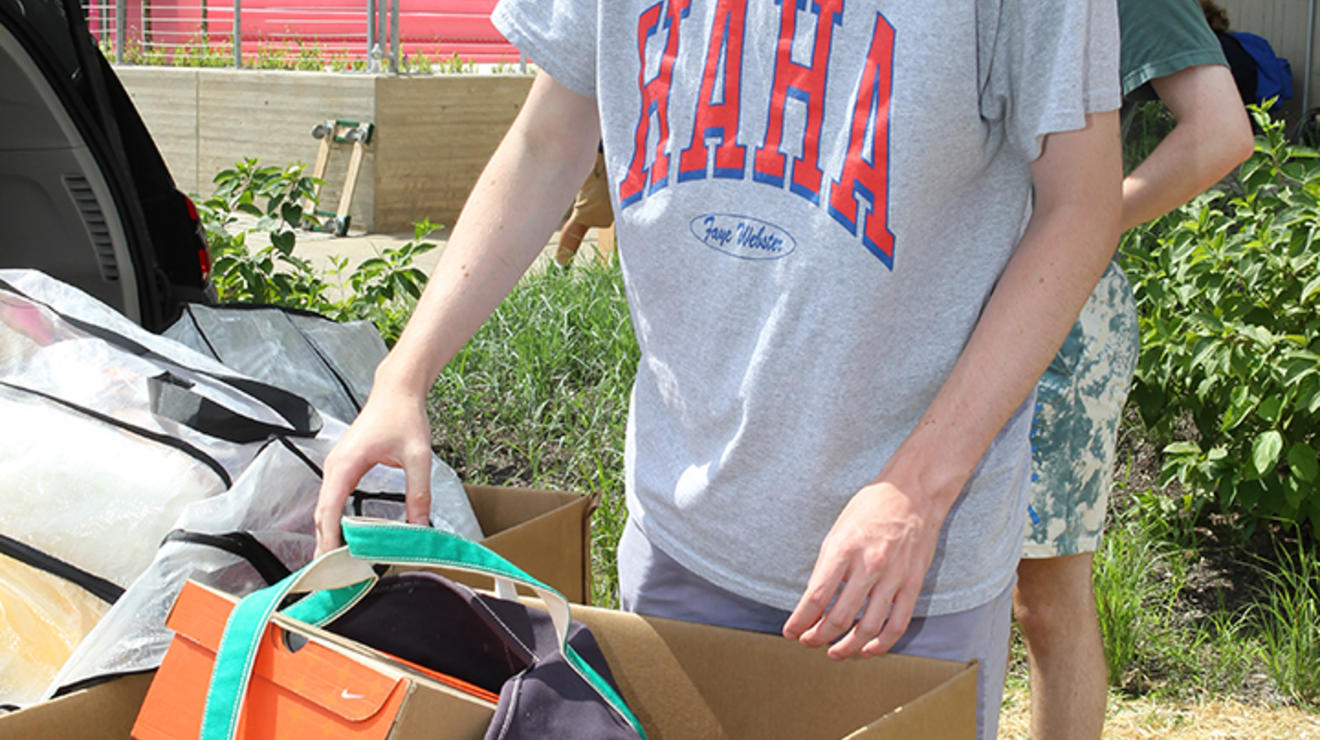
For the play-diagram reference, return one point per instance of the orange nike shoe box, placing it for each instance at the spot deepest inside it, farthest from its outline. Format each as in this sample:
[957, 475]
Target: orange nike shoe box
[305, 682]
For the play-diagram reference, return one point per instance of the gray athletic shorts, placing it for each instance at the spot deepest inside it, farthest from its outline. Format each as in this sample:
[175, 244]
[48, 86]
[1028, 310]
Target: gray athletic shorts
[651, 582]
[1079, 403]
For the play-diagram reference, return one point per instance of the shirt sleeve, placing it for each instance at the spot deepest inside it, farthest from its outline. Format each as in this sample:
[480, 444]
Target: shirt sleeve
[559, 36]
[1161, 37]
[1053, 62]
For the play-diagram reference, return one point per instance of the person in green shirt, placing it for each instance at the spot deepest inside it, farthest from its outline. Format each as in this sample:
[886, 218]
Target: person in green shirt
[1169, 51]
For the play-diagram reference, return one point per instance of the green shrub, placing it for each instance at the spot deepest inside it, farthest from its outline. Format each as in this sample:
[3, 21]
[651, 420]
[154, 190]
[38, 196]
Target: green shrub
[382, 289]
[1229, 374]
[1144, 127]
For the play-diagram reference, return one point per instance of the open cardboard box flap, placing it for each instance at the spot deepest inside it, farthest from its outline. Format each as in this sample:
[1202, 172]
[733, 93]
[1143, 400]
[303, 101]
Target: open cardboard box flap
[547, 533]
[685, 680]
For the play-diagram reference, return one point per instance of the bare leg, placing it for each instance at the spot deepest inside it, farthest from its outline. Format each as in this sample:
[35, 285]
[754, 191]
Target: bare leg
[570, 238]
[605, 246]
[1055, 606]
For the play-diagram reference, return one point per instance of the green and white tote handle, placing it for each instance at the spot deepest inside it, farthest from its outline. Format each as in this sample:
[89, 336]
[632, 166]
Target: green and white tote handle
[339, 579]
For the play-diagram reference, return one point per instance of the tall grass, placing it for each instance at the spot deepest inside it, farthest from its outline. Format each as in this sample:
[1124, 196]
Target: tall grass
[1134, 590]
[1289, 622]
[539, 397]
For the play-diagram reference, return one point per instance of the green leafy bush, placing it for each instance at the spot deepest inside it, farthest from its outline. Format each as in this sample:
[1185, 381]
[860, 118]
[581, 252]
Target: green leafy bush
[382, 289]
[269, 274]
[1229, 375]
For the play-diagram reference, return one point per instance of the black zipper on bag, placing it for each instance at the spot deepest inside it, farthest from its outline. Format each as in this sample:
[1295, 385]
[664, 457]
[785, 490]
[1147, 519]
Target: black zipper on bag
[93, 584]
[330, 368]
[87, 683]
[197, 327]
[242, 544]
[359, 497]
[164, 439]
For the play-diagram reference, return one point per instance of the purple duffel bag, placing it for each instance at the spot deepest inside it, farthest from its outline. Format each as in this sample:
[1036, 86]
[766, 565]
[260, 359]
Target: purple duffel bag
[550, 675]
[501, 646]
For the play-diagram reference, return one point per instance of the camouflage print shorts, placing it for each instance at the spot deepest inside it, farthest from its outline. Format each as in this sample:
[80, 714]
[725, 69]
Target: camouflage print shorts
[1079, 402]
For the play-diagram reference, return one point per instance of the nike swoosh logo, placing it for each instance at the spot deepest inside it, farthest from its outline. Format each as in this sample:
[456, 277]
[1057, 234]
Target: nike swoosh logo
[346, 695]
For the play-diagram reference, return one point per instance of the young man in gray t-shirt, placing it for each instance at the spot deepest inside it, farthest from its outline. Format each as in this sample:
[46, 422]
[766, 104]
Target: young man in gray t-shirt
[842, 285]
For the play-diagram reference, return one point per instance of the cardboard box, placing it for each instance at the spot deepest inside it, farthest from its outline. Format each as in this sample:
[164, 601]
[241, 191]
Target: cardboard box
[546, 532]
[682, 680]
[686, 680]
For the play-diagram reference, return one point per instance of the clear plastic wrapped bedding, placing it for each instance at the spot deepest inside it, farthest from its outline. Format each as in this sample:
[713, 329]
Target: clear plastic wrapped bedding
[42, 618]
[113, 438]
[92, 494]
[331, 364]
[271, 502]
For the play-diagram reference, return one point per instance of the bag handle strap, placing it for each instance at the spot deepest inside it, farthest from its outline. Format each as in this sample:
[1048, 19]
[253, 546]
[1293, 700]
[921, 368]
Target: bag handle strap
[340, 578]
[173, 398]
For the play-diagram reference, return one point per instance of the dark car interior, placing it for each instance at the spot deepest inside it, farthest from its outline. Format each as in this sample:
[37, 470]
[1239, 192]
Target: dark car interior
[84, 194]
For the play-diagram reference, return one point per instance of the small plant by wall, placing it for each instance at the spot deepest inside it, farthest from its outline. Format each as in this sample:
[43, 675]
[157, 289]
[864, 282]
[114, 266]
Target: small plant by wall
[382, 289]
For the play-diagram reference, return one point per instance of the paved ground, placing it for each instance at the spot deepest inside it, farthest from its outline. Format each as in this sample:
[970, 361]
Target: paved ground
[319, 247]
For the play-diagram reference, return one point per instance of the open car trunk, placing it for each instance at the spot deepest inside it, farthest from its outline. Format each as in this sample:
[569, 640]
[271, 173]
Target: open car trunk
[84, 194]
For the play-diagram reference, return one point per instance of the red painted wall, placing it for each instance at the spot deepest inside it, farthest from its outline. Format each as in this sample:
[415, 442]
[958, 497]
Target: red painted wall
[437, 28]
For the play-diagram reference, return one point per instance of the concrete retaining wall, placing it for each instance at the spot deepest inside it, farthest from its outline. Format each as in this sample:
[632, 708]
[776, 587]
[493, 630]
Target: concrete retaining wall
[433, 134]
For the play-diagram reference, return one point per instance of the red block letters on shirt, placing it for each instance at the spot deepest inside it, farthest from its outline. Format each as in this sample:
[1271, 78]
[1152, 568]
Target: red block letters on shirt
[717, 138]
[655, 99]
[719, 120]
[805, 83]
[865, 173]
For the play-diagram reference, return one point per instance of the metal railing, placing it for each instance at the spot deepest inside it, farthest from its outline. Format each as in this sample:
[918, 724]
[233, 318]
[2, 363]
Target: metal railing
[372, 35]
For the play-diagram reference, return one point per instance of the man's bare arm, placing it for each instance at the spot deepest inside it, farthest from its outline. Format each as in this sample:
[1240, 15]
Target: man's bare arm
[882, 544]
[1211, 137]
[515, 205]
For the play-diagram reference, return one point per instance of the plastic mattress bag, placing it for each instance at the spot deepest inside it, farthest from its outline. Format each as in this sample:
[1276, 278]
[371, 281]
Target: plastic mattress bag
[56, 340]
[42, 618]
[241, 540]
[332, 364]
[95, 494]
[112, 434]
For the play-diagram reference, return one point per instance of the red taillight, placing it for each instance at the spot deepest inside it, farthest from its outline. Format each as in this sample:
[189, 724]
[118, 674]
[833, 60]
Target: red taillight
[204, 262]
[204, 253]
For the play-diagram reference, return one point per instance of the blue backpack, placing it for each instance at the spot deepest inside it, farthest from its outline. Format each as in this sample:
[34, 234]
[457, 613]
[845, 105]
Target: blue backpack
[1273, 73]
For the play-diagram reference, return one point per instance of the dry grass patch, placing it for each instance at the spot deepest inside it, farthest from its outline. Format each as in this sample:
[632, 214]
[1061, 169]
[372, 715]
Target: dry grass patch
[1150, 718]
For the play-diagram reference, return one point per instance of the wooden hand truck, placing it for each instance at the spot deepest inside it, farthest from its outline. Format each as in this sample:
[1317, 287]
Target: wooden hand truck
[332, 132]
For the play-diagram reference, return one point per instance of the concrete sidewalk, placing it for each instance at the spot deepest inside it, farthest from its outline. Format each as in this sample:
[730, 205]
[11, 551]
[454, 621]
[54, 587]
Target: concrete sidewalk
[320, 247]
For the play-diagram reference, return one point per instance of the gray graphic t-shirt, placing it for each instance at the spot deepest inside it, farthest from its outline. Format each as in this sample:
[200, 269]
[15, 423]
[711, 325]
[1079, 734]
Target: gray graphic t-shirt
[813, 203]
